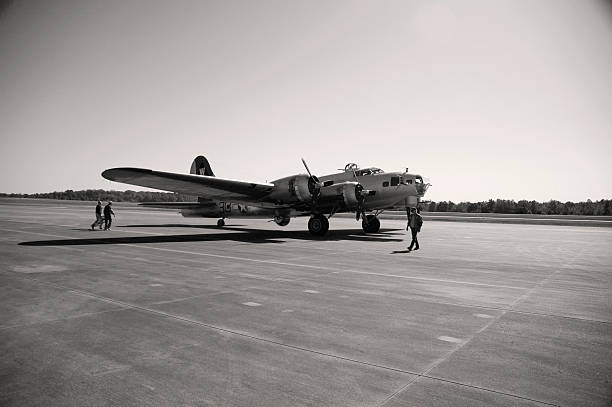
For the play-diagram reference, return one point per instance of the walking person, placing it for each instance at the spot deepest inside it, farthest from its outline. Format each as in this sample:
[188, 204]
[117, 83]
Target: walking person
[99, 219]
[415, 221]
[108, 211]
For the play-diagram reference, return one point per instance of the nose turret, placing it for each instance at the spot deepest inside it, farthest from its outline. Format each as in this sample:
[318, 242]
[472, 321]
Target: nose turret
[421, 185]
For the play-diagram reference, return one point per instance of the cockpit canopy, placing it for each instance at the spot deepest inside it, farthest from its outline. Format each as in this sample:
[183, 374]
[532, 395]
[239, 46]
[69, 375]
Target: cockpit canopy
[353, 168]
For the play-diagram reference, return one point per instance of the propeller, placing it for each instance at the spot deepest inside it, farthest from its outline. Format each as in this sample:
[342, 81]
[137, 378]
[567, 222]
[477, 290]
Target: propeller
[306, 165]
[314, 185]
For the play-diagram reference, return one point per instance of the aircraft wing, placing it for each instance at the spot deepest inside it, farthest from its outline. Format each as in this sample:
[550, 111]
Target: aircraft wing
[176, 205]
[191, 184]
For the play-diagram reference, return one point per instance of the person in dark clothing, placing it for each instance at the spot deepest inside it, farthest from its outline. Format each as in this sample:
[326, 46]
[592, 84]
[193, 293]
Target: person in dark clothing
[108, 211]
[99, 220]
[415, 221]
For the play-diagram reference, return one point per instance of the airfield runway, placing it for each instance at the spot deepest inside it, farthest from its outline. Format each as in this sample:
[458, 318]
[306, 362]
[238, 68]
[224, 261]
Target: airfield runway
[164, 310]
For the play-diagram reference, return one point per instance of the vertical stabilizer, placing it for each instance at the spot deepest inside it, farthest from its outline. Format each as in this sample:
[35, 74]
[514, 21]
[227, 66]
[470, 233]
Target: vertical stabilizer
[201, 166]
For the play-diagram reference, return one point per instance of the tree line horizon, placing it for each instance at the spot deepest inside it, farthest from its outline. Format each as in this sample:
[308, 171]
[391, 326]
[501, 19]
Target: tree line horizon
[602, 207]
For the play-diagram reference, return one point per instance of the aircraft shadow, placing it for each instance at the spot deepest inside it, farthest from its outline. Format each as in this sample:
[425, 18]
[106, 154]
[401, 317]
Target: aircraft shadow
[236, 234]
[183, 225]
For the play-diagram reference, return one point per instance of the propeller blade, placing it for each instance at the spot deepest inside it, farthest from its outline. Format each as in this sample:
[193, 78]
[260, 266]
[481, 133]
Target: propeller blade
[314, 185]
[305, 165]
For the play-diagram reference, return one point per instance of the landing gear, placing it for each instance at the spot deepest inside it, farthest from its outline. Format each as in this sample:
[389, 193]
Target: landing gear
[318, 225]
[221, 223]
[370, 224]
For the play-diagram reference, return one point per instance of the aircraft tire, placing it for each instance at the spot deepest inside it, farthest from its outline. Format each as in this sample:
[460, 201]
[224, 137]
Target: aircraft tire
[318, 225]
[220, 223]
[371, 224]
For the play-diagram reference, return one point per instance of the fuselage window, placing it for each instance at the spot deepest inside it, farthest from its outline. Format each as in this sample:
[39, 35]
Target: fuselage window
[386, 184]
[394, 181]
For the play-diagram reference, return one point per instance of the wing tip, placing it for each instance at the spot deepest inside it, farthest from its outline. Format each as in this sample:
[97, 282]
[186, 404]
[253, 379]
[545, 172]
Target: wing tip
[114, 174]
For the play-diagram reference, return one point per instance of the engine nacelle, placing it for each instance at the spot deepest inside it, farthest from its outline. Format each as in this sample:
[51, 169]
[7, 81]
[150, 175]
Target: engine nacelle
[348, 194]
[296, 188]
[282, 220]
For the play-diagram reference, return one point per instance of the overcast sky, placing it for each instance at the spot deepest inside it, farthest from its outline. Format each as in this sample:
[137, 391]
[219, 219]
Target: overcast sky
[489, 99]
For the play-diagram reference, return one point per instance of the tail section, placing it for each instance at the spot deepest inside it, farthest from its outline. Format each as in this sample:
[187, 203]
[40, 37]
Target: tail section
[201, 166]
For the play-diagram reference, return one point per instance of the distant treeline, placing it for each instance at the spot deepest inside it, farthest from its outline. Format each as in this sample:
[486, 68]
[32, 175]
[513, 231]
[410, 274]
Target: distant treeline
[115, 196]
[591, 208]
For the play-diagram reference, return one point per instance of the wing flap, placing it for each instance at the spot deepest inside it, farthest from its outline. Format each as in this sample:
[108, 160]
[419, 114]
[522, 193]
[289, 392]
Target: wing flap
[175, 205]
[190, 184]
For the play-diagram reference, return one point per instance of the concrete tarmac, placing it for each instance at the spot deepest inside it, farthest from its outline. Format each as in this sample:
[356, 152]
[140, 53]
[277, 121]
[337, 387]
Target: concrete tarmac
[165, 310]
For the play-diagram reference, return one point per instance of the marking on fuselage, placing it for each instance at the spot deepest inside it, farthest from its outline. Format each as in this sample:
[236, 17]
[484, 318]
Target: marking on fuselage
[251, 304]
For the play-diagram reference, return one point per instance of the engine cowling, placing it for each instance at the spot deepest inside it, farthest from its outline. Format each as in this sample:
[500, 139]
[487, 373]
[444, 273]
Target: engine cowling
[349, 194]
[296, 188]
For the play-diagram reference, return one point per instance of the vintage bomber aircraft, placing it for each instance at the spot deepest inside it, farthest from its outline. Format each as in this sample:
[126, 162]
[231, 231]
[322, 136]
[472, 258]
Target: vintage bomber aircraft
[352, 190]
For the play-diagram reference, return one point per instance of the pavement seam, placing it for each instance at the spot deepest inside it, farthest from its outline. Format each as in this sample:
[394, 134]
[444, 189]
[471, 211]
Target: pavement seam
[484, 307]
[440, 360]
[426, 375]
[354, 271]
[127, 306]
[273, 262]
[190, 298]
[149, 233]
[246, 259]
[414, 380]
[460, 346]
[489, 390]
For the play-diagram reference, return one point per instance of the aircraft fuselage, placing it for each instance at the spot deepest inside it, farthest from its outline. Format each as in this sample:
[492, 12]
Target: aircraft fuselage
[387, 191]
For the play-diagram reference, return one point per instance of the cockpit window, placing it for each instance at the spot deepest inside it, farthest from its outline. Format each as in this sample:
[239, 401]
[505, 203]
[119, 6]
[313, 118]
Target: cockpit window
[418, 179]
[395, 181]
[368, 171]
